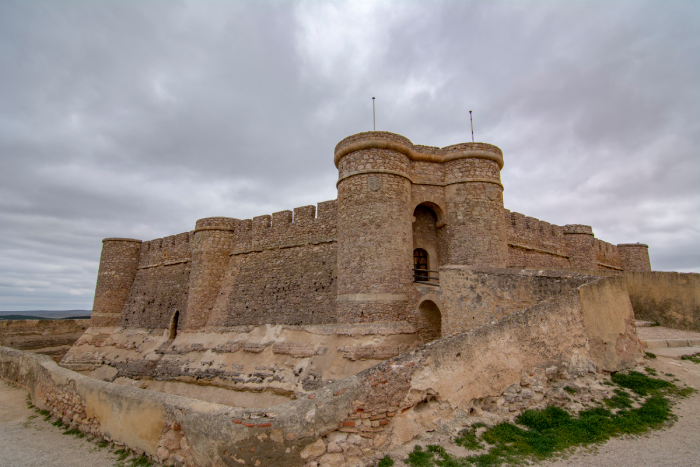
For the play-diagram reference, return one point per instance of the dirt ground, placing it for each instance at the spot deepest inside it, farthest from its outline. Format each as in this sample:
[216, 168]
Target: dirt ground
[26, 440]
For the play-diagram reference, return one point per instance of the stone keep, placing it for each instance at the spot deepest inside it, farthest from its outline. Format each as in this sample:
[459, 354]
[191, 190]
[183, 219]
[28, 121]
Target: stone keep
[352, 260]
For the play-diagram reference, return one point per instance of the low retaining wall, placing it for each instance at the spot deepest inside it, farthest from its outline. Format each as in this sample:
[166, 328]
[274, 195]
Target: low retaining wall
[490, 372]
[672, 299]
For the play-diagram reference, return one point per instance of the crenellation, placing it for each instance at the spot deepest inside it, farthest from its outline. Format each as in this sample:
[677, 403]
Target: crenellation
[281, 220]
[304, 216]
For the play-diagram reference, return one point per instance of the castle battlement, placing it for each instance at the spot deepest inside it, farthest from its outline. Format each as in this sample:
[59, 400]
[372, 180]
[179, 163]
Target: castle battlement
[401, 208]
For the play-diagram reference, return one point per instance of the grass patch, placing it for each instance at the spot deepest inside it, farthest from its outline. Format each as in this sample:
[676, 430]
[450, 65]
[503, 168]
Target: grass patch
[693, 358]
[141, 461]
[467, 438]
[540, 434]
[621, 400]
[121, 454]
[386, 461]
[58, 423]
[570, 390]
[651, 371]
[650, 355]
[74, 432]
[102, 444]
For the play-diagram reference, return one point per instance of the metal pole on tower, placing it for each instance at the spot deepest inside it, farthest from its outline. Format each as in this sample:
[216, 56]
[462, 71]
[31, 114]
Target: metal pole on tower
[374, 118]
[472, 122]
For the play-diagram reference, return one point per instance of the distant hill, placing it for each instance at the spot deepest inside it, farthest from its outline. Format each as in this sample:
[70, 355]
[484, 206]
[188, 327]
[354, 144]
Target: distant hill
[9, 317]
[45, 314]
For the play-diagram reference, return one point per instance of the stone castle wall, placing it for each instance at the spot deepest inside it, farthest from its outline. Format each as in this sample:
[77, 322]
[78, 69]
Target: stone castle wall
[533, 243]
[350, 260]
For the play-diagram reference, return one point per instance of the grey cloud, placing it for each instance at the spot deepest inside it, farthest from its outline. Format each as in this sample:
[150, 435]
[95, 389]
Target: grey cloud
[137, 118]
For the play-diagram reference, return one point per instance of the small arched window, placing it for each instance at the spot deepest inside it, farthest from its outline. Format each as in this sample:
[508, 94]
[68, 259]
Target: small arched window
[420, 264]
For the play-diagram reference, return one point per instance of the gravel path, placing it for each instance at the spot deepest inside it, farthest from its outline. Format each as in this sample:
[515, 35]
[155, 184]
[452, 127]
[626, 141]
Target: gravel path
[26, 440]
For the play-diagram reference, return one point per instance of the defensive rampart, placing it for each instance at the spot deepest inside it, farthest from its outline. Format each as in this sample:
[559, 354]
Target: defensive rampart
[533, 243]
[490, 372]
[670, 298]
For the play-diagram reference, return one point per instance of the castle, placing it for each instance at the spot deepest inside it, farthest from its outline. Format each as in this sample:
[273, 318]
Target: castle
[330, 335]
[403, 212]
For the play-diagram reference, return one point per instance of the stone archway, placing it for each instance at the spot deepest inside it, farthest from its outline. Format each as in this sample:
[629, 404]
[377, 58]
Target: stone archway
[430, 320]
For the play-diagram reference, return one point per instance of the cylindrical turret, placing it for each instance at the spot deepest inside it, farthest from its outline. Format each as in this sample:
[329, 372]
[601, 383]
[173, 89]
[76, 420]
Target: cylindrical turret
[213, 240]
[118, 264]
[375, 240]
[580, 244]
[474, 198]
[635, 256]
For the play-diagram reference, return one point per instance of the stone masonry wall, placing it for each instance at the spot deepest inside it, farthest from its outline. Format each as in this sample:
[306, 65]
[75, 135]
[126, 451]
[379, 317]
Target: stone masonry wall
[281, 270]
[634, 257]
[533, 243]
[161, 284]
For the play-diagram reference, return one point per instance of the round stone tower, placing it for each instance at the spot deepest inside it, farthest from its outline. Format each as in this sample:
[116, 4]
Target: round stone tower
[119, 262]
[213, 240]
[375, 216]
[474, 198]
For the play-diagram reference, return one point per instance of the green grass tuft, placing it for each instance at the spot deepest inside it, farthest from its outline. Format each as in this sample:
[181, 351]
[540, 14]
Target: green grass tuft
[570, 390]
[386, 461]
[650, 355]
[102, 443]
[420, 458]
[141, 461]
[693, 358]
[621, 400]
[74, 432]
[121, 454]
[640, 383]
[467, 438]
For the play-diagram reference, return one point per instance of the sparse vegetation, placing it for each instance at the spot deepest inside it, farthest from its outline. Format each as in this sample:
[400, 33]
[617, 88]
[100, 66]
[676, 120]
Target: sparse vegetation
[569, 389]
[539, 434]
[650, 355]
[467, 438]
[693, 358]
[386, 461]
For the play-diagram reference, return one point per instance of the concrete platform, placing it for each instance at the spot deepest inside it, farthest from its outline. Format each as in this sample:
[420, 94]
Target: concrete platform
[675, 352]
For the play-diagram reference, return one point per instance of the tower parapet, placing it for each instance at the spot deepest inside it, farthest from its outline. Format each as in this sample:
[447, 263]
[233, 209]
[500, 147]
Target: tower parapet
[118, 264]
[383, 177]
[374, 227]
[635, 256]
[580, 243]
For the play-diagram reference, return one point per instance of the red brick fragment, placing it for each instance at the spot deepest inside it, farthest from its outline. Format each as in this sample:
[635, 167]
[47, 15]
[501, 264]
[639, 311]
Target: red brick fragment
[340, 392]
[348, 423]
[383, 422]
[264, 425]
[237, 422]
[249, 425]
[311, 396]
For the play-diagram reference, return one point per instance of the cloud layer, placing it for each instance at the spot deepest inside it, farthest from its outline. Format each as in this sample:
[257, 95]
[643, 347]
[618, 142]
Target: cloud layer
[135, 118]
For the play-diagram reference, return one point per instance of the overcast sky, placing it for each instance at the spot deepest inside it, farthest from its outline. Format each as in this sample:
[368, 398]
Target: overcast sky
[134, 119]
